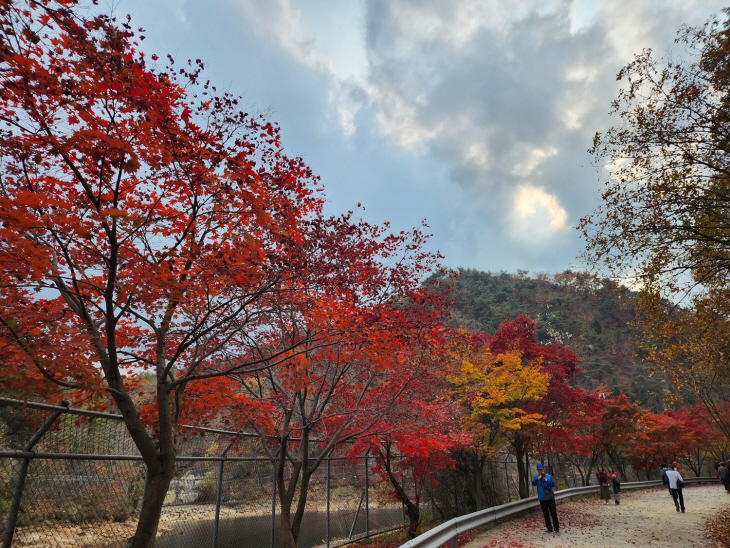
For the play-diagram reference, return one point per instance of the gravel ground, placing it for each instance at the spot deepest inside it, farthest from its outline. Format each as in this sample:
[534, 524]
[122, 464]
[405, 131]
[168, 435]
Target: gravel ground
[644, 518]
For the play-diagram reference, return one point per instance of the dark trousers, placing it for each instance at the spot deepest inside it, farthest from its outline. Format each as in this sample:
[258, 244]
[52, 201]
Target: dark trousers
[549, 509]
[677, 494]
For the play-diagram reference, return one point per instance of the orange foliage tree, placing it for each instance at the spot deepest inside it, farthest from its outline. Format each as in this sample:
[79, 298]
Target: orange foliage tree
[147, 223]
[420, 434]
[569, 431]
[358, 371]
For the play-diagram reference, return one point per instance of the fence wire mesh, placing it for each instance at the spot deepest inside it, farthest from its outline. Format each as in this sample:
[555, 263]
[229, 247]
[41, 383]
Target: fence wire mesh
[80, 483]
[85, 483]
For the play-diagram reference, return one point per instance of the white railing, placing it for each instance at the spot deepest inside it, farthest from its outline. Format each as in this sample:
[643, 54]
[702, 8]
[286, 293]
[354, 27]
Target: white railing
[447, 532]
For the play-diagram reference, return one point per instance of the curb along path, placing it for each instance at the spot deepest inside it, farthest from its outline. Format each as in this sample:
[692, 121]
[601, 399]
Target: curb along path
[644, 518]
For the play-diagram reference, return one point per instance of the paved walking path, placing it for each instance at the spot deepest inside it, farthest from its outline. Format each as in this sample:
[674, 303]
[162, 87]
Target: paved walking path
[644, 518]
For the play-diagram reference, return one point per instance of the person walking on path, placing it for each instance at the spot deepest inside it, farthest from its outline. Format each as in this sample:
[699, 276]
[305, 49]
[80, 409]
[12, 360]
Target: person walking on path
[546, 496]
[616, 483]
[603, 481]
[676, 482]
[722, 473]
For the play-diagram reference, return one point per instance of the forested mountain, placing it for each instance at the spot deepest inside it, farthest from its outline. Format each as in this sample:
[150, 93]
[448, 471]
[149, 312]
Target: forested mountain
[593, 317]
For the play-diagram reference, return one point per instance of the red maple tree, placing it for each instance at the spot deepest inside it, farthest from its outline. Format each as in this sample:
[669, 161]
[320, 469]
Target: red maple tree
[355, 370]
[418, 433]
[147, 223]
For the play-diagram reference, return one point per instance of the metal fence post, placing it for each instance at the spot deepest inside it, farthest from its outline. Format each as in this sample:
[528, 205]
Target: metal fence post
[220, 493]
[367, 497]
[329, 464]
[506, 474]
[23, 474]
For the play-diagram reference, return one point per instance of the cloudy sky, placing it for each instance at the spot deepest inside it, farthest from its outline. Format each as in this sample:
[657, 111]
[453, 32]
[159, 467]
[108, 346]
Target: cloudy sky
[474, 115]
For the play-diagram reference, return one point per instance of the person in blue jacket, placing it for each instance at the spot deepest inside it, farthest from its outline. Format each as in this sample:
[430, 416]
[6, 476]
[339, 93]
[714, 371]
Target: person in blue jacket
[546, 496]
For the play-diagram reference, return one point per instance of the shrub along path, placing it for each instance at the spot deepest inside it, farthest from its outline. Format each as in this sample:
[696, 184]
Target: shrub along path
[644, 518]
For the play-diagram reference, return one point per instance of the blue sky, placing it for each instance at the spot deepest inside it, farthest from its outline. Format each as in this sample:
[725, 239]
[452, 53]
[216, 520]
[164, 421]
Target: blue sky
[473, 115]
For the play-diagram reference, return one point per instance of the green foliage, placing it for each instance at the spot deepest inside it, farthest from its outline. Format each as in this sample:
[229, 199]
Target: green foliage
[595, 318]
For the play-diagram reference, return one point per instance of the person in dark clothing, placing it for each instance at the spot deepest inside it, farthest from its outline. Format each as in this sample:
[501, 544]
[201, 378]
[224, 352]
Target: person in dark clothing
[676, 482]
[724, 475]
[546, 496]
[603, 482]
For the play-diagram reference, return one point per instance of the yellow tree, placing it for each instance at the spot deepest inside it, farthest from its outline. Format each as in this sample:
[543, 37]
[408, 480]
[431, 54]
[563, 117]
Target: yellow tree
[497, 387]
[494, 390]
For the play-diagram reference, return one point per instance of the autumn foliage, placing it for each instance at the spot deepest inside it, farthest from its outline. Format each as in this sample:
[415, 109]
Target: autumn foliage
[663, 221]
[148, 223]
[162, 255]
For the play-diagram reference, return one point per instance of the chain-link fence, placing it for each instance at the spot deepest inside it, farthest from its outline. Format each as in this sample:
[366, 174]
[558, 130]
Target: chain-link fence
[75, 478]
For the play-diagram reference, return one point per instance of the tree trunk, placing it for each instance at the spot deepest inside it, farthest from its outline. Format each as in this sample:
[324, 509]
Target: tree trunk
[414, 517]
[589, 472]
[291, 522]
[412, 507]
[298, 482]
[285, 499]
[286, 493]
[296, 520]
[159, 458]
[146, 533]
[471, 464]
[520, 456]
[477, 485]
[287, 537]
[695, 464]
[528, 482]
[522, 485]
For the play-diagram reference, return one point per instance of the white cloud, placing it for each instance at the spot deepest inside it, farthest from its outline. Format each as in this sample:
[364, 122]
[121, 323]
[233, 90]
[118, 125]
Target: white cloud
[477, 153]
[398, 121]
[325, 38]
[531, 160]
[492, 104]
[537, 213]
[633, 25]
[456, 22]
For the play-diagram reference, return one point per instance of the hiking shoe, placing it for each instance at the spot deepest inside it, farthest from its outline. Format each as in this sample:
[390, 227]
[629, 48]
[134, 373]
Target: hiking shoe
[549, 531]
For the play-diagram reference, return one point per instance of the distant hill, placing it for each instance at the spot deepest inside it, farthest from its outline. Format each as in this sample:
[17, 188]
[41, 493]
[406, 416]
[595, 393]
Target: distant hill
[593, 317]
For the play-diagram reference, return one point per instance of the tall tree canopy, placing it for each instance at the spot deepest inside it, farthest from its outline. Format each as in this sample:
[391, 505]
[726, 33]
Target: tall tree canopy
[147, 223]
[367, 363]
[665, 215]
[509, 386]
